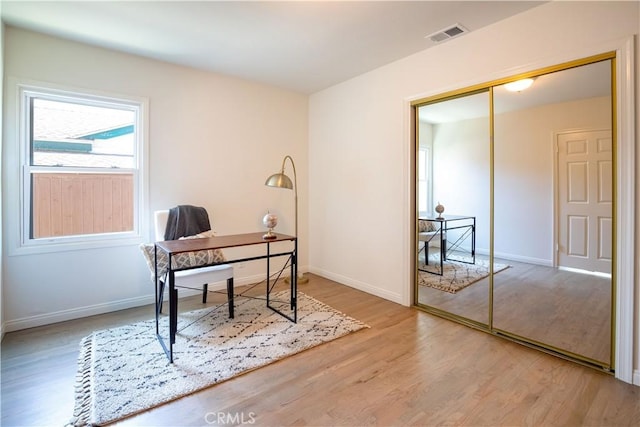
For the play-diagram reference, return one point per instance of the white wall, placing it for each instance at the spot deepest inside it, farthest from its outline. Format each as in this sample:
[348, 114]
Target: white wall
[213, 140]
[461, 180]
[360, 145]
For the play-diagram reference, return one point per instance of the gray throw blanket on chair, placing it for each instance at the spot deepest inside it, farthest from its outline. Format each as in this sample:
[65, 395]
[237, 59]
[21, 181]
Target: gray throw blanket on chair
[186, 220]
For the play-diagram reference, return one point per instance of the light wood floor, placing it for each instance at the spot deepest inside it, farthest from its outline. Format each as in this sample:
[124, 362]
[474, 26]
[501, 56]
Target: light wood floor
[409, 368]
[566, 310]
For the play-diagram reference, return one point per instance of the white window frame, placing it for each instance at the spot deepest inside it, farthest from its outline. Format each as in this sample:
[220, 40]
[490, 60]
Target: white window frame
[27, 245]
[424, 179]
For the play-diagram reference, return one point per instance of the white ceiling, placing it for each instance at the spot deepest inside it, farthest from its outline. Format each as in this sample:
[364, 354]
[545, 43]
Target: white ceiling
[587, 81]
[304, 46]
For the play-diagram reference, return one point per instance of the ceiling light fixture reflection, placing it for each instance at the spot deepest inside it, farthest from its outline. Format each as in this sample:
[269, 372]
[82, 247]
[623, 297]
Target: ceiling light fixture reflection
[518, 85]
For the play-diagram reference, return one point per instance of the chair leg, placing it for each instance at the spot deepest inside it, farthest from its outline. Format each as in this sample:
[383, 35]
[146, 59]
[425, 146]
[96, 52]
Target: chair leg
[426, 253]
[230, 296]
[205, 290]
[444, 250]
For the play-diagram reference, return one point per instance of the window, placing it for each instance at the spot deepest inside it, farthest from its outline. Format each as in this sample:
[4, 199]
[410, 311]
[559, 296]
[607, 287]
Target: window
[81, 160]
[424, 192]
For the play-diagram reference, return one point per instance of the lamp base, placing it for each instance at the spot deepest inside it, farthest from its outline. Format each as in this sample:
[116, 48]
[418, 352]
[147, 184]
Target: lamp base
[302, 279]
[269, 236]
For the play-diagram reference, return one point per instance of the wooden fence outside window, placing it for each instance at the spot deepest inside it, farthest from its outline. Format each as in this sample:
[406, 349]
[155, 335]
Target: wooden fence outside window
[70, 204]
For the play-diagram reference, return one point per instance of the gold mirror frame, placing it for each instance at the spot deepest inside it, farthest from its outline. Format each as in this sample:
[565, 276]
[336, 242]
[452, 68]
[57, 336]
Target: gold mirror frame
[607, 366]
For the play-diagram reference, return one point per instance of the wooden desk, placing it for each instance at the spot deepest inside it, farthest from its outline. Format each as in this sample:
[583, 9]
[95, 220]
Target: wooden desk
[466, 223]
[174, 247]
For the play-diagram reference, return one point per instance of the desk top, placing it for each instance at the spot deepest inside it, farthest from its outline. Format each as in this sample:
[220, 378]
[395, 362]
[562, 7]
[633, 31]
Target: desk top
[218, 242]
[446, 218]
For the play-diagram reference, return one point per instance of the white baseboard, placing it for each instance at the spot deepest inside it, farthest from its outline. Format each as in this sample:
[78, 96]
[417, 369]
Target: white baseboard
[636, 377]
[361, 286]
[75, 313]
[528, 260]
[92, 310]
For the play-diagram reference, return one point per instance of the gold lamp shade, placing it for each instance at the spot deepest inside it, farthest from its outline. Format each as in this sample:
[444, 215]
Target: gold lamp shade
[279, 180]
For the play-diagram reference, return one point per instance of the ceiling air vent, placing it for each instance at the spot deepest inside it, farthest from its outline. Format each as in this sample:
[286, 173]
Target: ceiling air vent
[447, 33]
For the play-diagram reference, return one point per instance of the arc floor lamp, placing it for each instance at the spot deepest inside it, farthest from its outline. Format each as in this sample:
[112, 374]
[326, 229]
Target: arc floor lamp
[280, 180]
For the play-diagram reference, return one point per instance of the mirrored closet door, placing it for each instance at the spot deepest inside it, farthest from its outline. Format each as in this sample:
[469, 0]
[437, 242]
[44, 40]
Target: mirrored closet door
[453, 205]
[524, 246]
[553, 203]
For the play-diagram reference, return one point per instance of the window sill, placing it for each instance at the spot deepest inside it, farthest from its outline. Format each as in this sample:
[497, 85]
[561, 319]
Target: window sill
[59, 245]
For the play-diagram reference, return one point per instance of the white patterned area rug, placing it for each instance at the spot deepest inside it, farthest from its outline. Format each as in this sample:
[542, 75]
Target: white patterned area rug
[456, 275]
[124, 371]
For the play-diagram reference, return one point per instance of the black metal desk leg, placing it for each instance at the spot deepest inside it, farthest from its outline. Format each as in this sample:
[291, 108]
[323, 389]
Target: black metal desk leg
[473, 240]
[268, 272]
[294, 282]
[443, 250]
[173, 313]
[156, 284]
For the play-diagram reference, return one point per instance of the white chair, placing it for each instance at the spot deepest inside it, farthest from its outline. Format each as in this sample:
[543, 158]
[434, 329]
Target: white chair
[427, 233]
[197, 276]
